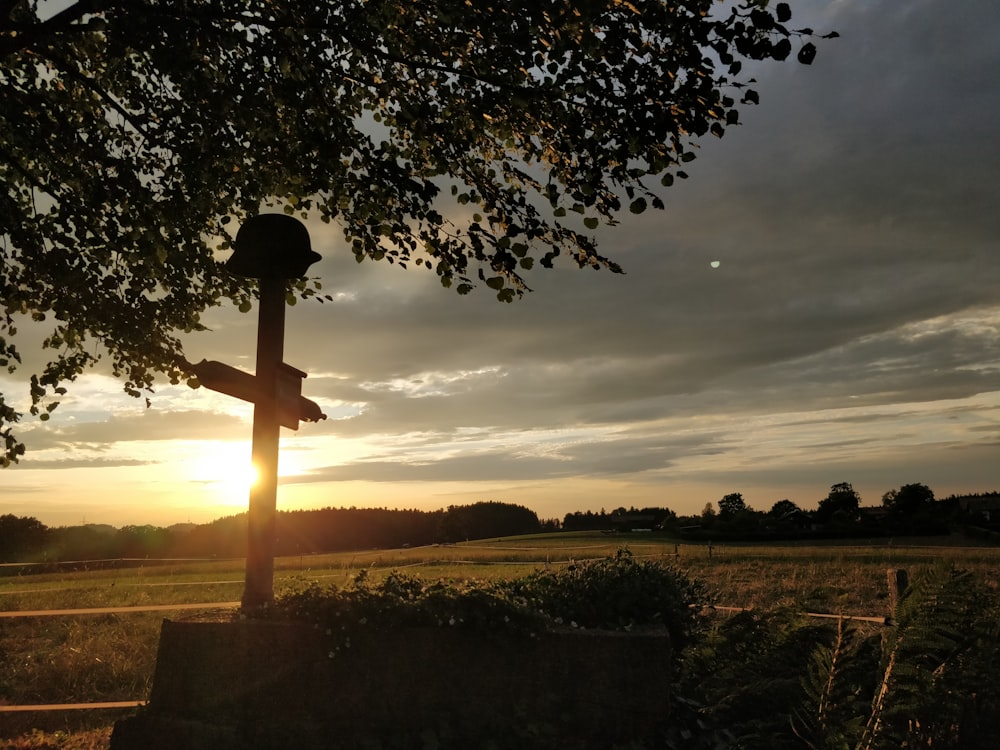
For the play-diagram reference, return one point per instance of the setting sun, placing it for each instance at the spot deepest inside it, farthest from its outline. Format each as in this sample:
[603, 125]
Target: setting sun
[226, 471]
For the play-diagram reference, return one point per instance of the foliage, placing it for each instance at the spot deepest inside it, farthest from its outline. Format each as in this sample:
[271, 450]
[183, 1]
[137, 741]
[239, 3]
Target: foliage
[783, 508]
[762, 680]
[934, 682]
[620, 518]
[841, 504]
[910, 498]
[734, 678]
[480, 520]
[910, 507]
[469, 139]
[618, 592]
[731, 505]
[299, 532]
[20, 537]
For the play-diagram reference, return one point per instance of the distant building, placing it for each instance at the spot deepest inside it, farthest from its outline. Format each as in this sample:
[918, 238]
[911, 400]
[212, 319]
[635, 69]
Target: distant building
[985, 508]
[874, 514]
[633, 522]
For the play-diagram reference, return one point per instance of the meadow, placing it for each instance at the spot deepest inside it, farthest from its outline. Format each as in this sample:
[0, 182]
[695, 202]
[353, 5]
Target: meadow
[86, 658]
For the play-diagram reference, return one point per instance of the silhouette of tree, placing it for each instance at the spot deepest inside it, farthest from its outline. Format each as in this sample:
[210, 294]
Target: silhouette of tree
[486, 519]
[468, 139]
[842, 503]
[783, 508]
[908, 499]
[731, 505]
[21, 537]
[586, 521]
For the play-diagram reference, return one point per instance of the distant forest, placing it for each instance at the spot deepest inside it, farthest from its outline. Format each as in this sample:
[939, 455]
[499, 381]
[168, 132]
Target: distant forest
[25, 539]
[910, 510]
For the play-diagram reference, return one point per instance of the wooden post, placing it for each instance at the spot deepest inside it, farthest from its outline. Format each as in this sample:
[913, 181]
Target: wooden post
[259, 587]
[271, 248]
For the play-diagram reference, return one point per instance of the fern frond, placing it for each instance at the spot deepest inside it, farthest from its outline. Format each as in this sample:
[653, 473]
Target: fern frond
[829, 716]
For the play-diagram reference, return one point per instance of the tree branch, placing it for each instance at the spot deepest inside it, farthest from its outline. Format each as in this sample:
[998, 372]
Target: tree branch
[90, 84]
[18, 36]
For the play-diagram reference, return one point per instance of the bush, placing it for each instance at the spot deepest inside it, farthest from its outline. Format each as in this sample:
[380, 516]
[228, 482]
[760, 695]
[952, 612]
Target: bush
[778, 680]
[617, 593]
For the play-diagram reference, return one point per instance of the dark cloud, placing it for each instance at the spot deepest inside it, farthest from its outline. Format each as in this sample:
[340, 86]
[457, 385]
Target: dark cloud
[31, 464]
[99, 436]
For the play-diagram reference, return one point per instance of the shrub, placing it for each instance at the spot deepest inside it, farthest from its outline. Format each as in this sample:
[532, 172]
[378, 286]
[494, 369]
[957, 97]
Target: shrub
[617, 593]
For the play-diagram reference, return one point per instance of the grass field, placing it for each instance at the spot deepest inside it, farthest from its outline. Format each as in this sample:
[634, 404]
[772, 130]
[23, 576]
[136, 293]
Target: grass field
[110, 657]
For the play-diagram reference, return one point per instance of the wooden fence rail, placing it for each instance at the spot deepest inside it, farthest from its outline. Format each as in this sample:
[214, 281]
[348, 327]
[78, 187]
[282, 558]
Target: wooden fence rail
[114, 610]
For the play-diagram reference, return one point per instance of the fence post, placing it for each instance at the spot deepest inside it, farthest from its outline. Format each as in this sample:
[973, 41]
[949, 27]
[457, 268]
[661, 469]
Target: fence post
[898, 580]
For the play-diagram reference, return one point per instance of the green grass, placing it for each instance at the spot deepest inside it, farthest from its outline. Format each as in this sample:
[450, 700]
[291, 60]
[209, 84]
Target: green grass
[89, 658]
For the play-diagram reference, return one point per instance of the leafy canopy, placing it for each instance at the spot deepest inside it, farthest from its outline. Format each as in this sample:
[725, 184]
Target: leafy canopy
[732, 505]
[842, 502]
[472, 139]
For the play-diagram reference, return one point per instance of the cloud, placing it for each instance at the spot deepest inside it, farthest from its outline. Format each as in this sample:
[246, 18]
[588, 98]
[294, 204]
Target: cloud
[80, 463]
[101, 436]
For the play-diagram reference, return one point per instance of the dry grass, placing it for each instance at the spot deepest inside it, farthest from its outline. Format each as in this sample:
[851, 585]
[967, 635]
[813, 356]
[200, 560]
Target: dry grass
[89, 739]
[844, 579]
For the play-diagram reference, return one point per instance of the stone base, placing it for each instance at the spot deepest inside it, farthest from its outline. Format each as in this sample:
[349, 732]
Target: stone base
[266, 685]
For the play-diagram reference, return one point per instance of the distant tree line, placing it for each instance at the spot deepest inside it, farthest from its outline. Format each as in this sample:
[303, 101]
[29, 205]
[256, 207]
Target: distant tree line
[25, 539]
[620, 519]
[909, 510]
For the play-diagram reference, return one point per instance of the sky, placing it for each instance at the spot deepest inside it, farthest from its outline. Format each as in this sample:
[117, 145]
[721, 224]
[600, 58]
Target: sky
[819, 303]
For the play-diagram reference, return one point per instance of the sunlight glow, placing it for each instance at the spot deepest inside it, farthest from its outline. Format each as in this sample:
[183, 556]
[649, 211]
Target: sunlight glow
[226, 471]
